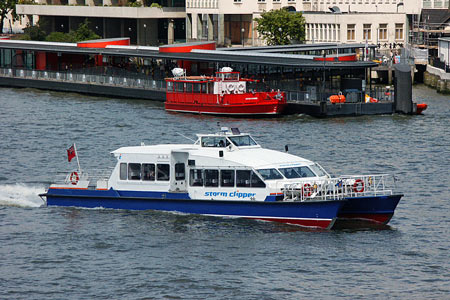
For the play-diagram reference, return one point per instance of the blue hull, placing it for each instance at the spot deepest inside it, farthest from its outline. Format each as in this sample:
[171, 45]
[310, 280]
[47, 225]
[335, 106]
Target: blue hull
[310, 214]
[379, 209]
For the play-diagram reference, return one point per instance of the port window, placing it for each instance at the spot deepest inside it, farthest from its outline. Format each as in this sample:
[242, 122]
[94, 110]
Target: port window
[212, 178]
[163, 172]
[188, 87]
[197, 87]
[244, 140]
[297, 172]
[243, 178]
[227, 178]
[270, 174]
[123, 171]
[256, 181]
[169, 86]
[180, 86]
[148, 172]
[196, 177]
[134, 171]
[179, 171]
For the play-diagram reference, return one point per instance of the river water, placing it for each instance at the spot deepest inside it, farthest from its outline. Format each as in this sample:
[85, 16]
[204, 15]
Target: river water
[70, 253]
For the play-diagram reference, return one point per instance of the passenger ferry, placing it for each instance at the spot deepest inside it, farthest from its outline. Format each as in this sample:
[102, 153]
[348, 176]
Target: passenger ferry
[228, 174]
[224, 94]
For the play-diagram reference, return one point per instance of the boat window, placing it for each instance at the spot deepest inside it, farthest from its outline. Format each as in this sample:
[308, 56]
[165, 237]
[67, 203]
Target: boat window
[270, 174]
[196, 177]
[197, 88]
[179, 171]
[243, 178]
[188, 87]
[256, 181]
[214, 141]
[204, 87]
[244, 140]
[170, 86]
[318, 170]
[297, 172]
[180, 86]
[148, 172]
[123, 171]
[227, 178]
[134, 171]
[212, 178]
[247, 178]
[163, 172]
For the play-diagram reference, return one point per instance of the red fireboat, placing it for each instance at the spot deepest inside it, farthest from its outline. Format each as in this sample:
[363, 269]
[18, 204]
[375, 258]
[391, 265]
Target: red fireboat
[223, 94]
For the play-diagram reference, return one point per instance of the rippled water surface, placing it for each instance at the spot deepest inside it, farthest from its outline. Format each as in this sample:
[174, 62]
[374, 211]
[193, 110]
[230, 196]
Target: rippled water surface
[68, 253]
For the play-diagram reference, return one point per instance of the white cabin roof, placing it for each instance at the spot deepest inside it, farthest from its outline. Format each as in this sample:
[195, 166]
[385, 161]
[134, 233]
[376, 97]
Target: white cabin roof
[255, 157]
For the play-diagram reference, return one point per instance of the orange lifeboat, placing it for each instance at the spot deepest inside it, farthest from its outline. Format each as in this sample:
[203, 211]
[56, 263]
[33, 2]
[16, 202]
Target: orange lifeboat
[337, 99]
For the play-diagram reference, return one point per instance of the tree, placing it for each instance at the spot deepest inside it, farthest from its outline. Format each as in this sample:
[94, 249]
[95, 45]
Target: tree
[6, 7]
[280, 27]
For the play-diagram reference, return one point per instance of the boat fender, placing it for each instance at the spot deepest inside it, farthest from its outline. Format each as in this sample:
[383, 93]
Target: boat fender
[230, 86]
[358, 186]
[241, 87]
[74, 178]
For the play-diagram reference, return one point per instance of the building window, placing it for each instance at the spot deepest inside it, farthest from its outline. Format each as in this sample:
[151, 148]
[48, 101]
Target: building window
[367, 32]
[237, 1]
[382, 35]
[351, 32]
[399, 31]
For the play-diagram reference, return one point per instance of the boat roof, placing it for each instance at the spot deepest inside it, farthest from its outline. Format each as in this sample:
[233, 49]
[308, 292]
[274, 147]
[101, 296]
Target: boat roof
[252, 156]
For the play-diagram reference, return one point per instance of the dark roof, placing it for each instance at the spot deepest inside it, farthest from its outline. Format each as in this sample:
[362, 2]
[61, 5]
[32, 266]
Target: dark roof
[435, 16]
[255, 57]
[298, 47]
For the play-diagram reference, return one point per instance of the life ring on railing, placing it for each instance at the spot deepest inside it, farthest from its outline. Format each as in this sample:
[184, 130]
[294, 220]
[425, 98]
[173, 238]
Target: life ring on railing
[74, 178]
[306, 190]
[230, 86]
[358, 183]
[241, 87]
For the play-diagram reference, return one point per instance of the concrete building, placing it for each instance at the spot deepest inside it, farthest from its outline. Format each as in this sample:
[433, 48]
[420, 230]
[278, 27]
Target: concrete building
[113, 18]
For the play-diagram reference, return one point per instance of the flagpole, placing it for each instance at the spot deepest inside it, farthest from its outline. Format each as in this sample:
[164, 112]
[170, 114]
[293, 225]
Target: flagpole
[76, 155]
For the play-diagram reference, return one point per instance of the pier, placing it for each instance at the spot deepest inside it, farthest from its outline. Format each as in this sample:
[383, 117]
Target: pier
[309, 74]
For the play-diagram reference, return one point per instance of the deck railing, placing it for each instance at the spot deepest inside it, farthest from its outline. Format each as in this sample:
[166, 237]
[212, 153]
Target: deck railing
[340, 188]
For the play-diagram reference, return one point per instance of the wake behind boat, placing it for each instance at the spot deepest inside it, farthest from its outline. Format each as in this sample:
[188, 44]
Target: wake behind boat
[228, 174]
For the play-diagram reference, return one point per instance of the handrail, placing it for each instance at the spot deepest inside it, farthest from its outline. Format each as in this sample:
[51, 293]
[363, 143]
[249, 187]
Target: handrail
[346, 186]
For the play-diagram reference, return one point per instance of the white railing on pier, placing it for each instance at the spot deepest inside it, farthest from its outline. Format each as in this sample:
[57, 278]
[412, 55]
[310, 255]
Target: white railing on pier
[111, 80]
[345, 186]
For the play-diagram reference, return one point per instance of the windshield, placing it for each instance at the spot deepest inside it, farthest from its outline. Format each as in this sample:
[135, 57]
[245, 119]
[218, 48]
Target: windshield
[318, 170]
[297, 172]
[244, 140]
[270, 174]
[214, 141]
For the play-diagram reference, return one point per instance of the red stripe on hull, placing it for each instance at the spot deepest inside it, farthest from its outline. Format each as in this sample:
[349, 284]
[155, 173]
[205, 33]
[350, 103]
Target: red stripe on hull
[323, 224]
[376, 218]
[257, 109]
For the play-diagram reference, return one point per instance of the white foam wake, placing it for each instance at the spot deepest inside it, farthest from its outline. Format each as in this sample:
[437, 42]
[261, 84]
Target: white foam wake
[21, 195]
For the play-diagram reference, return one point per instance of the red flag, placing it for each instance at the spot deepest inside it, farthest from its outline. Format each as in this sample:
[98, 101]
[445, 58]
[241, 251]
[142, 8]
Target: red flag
[71, 153]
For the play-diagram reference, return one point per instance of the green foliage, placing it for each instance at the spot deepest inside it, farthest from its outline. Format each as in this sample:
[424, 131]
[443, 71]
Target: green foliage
[34, 33]
[280, 27]
[156, 5]
[83, 33]
[134, 3]
[59, 37]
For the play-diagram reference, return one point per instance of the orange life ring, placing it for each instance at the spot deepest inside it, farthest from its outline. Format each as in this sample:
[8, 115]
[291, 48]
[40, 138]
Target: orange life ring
[74, 178]
[356, 184]
[306, 190]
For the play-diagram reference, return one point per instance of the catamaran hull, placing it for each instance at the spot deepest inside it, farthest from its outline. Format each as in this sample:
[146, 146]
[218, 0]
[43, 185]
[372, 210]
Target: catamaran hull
[378, 209]
[308, 214]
